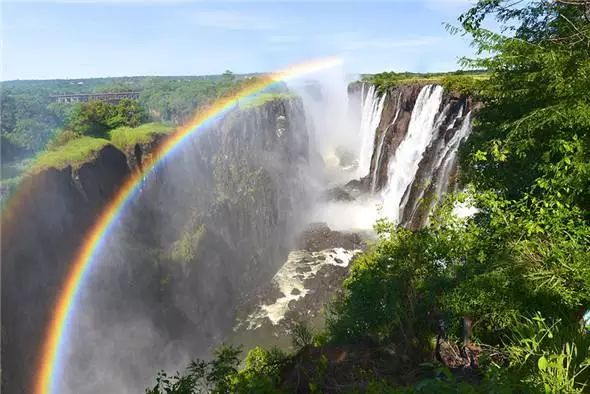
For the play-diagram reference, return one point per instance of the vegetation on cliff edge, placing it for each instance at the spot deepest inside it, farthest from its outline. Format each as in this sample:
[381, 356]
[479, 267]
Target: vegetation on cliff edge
[466, 82]
[75, 153]
[80, 150]
[125, 137]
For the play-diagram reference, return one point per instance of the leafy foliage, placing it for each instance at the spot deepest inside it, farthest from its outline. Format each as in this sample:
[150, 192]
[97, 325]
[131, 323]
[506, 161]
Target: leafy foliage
[549, 356]
[221, 374]
[301, 335]
[97, 117]
[263, 98]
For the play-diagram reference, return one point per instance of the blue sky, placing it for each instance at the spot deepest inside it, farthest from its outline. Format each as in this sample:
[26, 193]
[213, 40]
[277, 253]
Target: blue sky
[93, 38]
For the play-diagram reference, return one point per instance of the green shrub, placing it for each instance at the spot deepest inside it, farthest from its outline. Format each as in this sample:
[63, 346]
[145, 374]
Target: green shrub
[301, 335]
[95, 118]
[125, 137]
[390, 292]
[260, 374]
[61, 137]
[551, 357]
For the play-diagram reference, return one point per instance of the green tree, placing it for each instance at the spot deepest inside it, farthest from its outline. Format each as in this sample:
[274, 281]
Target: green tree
[91, 118]
[7, 113]
[97, 117]
[127, 113]
[227, 77]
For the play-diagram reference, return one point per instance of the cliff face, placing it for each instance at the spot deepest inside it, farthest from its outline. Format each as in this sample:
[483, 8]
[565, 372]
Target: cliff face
[38, 234]
[211, 222]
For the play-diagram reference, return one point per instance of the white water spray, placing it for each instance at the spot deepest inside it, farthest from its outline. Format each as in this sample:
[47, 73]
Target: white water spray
[449, 157]
[371, 109]
[379, 150]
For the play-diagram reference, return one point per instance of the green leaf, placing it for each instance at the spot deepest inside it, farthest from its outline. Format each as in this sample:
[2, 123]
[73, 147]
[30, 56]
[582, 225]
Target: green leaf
[542, 363]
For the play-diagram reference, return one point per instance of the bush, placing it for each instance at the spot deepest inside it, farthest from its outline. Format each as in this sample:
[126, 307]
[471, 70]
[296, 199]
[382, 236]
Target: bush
[551, 357]
[125, 137]
[97, 117]
[61, 137]
[221, 375]
[390, 293]
[301, 336]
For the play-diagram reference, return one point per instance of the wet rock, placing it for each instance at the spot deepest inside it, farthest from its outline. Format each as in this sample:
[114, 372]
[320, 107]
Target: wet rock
[321, 282]
[319, 236]
[358, 186]
[302, 269]
[338, 194]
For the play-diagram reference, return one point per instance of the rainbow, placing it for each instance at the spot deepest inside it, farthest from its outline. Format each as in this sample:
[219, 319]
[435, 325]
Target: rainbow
[51, 358]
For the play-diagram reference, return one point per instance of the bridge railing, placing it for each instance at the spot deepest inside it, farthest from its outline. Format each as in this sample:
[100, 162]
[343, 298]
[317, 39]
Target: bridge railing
[86, 97]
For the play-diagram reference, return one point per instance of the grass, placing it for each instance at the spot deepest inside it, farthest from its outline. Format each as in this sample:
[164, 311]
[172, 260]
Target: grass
[80, 150]
[124, 137]
[464, 81]
[440, 79]
[74, 153]
[263, 98]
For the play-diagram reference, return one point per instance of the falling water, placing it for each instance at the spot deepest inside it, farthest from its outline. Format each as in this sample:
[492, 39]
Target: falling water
[450, 156]
[379, 150]
[371, 108]
[439, 147]
[404, 164]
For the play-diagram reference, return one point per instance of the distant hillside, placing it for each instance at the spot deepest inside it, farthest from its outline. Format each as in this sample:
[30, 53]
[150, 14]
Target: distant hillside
[31, 118]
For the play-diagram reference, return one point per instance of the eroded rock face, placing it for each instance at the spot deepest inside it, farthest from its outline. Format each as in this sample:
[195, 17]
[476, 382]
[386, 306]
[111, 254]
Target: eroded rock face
[211, 222]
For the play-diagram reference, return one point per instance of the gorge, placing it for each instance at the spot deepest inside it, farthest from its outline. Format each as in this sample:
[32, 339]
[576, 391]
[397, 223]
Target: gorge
[250, 226]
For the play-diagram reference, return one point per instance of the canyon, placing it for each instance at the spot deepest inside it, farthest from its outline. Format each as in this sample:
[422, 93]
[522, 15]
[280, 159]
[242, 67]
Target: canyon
[248, 228]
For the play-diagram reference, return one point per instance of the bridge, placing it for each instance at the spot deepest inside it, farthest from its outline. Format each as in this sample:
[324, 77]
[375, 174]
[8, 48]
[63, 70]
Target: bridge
[111, 98]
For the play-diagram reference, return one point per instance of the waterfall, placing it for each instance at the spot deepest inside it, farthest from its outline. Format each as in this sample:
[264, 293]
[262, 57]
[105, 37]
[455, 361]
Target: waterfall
[448, 159]
[371, 108]
[379, 150]
[444, 149]
[404, 164]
